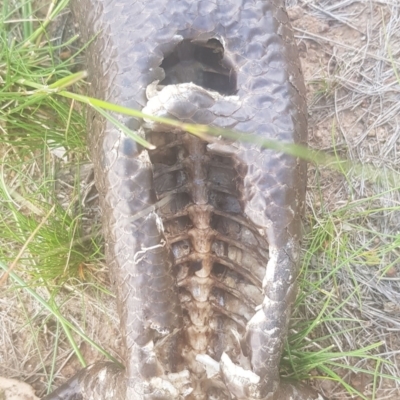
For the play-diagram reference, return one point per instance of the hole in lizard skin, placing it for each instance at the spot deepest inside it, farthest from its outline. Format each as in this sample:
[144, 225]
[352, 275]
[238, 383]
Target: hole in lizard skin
[218, 270]
[219, 160]
[181, 249]
[226, 226]
[178, 203]
[169, 180]
[196, 265]
[177, 225]
[225, 202]
[165, 155]
[167, 150]
[202, 64]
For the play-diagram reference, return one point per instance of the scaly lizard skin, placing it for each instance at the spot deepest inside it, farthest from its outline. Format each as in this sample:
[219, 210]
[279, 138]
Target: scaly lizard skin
[205, 281]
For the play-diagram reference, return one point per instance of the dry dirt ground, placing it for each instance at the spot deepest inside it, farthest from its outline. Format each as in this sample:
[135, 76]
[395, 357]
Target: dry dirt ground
[350, 54]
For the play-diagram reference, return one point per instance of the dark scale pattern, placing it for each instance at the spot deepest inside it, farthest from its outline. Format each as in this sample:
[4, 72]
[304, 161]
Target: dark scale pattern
[208, 278]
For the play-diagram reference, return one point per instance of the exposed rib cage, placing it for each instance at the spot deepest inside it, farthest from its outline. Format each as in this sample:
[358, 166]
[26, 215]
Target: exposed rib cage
[219, 257]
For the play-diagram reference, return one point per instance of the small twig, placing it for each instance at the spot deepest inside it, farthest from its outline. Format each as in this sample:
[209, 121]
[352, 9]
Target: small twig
[144, 250]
